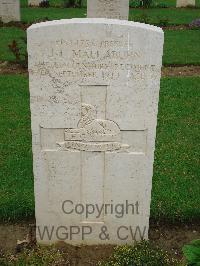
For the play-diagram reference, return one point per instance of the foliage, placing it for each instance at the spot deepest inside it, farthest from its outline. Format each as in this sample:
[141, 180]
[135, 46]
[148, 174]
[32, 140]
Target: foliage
[163, 22]
[146, 3]
[72, 3]
[160, 5]
[38, 256]
[134, 3]
[192, 253]
[168, 3]
[141, 254]
[15, 50]
[21, 55]
[195, 23]
[143, 18]
[141, 3]
[44, 3]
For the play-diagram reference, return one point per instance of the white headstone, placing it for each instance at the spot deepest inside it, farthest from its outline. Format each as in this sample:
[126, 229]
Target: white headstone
[9, 10]
[34, 2]
[185, 3]
[94, 89]
[114, 9]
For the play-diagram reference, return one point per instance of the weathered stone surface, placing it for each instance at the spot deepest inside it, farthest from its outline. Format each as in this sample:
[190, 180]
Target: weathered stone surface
[34, 2]
[9, 10]
[94, 89]
[114, 9]
[185, 3]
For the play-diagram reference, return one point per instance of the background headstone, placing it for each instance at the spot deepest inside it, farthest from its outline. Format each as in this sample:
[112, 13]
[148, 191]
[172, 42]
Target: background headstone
[185, 3]
[94, 89]
[34, 2]
[9, 10]
[115, 9]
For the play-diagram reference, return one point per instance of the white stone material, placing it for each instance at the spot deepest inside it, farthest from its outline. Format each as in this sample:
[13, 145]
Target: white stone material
[9, 10]
[94, 90]
[185, 3]
[114, 9]
[34, 2]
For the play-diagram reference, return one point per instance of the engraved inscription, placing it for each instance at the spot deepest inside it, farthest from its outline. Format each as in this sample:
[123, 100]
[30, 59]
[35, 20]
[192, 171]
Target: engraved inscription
[84, 61]
[115, 9]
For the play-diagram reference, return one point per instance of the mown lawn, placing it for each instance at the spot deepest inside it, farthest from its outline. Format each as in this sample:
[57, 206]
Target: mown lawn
[176, 182]
[174, 16]
[156, 16]
[181, 47]
[16, 186]
[176, 174]
[7, 35]
[31, 15]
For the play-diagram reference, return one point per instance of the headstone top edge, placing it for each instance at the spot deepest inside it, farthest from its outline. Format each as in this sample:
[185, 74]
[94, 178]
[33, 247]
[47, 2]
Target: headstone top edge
[94, 21]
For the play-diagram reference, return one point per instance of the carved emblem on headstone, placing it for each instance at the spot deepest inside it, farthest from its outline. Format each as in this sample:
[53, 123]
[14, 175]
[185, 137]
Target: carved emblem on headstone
[93, 134]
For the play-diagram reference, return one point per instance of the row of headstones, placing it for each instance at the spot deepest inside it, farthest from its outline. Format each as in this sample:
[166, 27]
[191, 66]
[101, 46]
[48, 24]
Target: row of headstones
[10, 9]
[180, 3]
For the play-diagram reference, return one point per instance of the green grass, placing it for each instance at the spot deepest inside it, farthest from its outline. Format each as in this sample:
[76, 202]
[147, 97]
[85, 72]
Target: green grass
[176, 180]
[7, 35]
[16, 186]
[174, 16]
[181, 47]
[176, 175]
[31, 15]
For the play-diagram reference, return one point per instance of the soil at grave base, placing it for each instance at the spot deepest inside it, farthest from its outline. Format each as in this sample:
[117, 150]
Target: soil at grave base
[11, 68]
[168, 237]
[181, 71]
[176, 27]
[170, 71]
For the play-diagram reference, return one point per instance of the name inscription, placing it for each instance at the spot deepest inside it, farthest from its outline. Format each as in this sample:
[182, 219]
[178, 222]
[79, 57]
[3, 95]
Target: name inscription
[78, 60]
